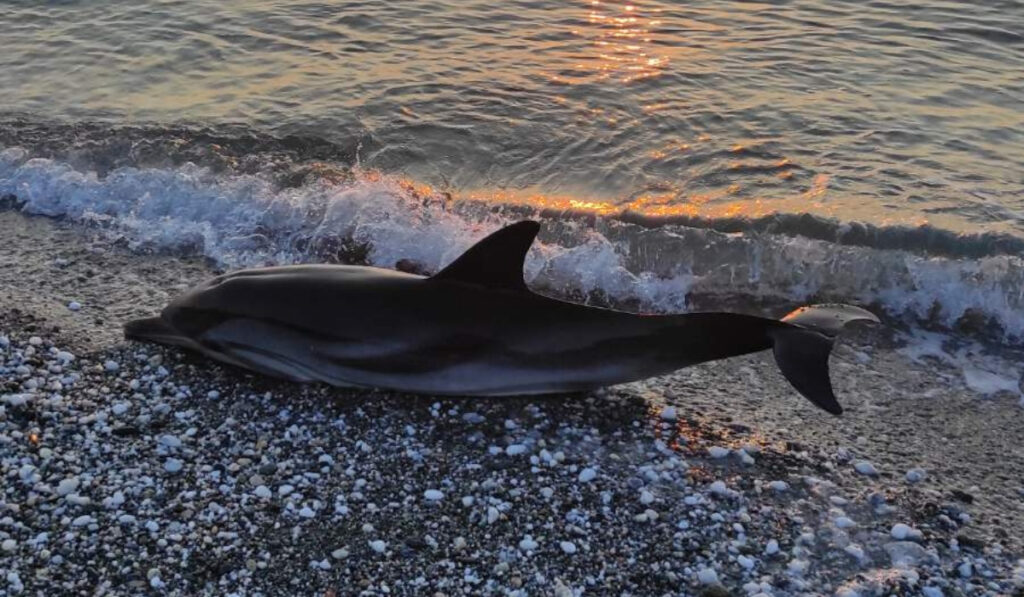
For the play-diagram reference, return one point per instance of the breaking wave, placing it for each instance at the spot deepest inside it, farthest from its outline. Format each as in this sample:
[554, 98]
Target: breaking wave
[328, 211]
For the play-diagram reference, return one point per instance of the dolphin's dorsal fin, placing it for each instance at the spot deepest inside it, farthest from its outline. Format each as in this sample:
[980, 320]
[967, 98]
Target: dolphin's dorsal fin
[496, 261]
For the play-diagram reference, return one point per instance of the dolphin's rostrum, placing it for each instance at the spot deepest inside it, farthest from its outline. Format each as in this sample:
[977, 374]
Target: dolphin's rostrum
[472, 329]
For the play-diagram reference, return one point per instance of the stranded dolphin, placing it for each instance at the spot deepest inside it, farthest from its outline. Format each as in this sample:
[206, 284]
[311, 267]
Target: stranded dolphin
[472, 329]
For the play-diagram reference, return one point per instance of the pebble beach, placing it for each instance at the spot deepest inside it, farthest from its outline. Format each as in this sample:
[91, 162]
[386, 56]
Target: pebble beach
[133, 469]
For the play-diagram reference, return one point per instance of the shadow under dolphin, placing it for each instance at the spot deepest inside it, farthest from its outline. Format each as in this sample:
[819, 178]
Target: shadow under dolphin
[474, 328]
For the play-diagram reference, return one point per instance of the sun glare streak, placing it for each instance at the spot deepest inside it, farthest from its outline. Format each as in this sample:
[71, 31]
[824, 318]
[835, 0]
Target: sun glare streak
[621, 35]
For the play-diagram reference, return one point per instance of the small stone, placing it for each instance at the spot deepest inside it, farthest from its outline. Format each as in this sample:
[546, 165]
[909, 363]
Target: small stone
[865, 468]
[779, 486]
[74, 306]
[646, 497]
[9, 545]
[111, 366]
[587, 475]
[772, 547]
[907, 554]
[844, 522]
[567, 546]
[718, 452]
[173, 465]
[668, 413]
[67, 486]
[170, 441]
[378, 546]
[916, 475]
[902, 531]
[263, 491]
[707, 576]
[339, 554]
[528, 544]
[515, 449]
[433, 495]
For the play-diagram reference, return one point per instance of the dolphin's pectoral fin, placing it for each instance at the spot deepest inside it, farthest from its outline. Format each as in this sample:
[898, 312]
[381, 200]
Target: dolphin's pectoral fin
[496, 261]
[803, 346]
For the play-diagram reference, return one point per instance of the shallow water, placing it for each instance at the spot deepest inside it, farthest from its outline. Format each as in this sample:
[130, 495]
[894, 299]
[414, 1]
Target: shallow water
[873, 111]
[791, 150]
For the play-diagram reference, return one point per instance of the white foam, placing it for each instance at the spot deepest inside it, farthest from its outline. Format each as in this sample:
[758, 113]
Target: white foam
[246, 220]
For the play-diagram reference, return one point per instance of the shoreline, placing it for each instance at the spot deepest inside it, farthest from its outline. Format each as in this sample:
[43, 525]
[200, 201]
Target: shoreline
[654, 447]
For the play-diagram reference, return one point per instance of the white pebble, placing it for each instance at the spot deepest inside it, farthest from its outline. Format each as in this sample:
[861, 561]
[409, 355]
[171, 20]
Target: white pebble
[916, 475]
[467, 500]
[67, 486]
[854, 551]
[492, 515]
[433, 495]
[718, 452]
[798, 567]
[931, 592]
[378, 546]
[9, 545]
[901, 531]
[515, 449]
[173, 465]
[120, 408]
[646, 497]
[719, 488]
[170, 441]
[528, 544]
[746, 562]
[339, 554]
[307, 512]
[587, 475]
[707, 576]
[263, 492]
[772, 547]
[285, 489]
[74, 305]
[111, 366]
[779, 486]
[567, 546]
[35, 341]
[213, 394]
[844, 522]
[83, 520]
[668, 413]
[865, 468]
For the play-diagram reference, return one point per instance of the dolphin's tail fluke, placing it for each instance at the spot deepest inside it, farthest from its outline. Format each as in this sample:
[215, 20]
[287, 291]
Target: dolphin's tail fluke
[802, 349]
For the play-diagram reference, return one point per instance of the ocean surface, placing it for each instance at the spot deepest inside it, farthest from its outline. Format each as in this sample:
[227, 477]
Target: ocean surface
[780, 152]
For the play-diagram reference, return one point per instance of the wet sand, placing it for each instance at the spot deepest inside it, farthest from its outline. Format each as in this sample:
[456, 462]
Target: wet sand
[901, 414]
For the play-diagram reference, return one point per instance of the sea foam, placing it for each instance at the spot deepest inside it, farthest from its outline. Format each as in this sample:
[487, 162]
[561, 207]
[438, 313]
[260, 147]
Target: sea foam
[243, 220]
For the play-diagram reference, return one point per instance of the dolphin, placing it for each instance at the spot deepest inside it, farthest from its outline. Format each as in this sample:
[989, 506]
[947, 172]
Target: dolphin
[474, 328]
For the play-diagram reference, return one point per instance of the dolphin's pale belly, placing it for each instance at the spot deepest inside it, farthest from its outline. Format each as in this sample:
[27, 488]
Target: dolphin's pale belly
[464, 366]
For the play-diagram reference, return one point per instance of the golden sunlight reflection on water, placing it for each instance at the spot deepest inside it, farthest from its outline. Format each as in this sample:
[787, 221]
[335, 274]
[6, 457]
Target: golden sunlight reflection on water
[618, 44]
